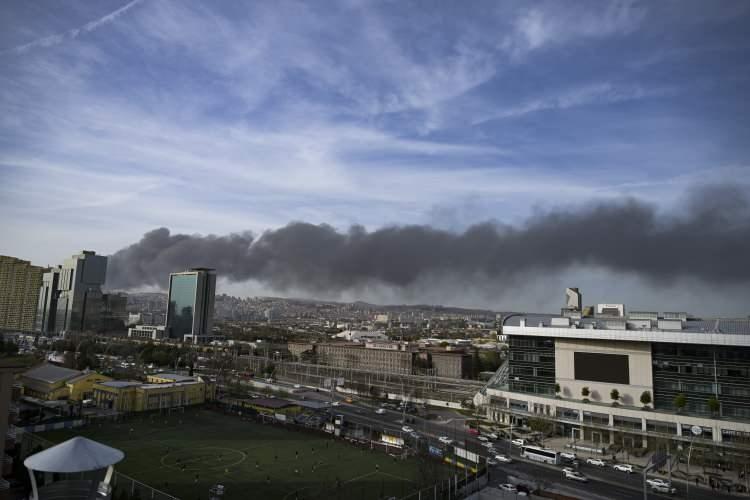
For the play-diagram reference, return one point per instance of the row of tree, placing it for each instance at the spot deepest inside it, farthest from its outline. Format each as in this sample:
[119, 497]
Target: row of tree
[680, 400]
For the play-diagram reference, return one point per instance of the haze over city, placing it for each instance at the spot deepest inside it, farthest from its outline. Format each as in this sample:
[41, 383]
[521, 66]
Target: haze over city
[483, 157]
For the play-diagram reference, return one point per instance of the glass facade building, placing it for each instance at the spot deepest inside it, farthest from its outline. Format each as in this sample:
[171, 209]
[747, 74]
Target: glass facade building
[531, 365]
[190, 306]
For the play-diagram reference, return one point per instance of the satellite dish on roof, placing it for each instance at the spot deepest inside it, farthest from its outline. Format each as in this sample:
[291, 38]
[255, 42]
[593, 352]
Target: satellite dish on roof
[697, 430]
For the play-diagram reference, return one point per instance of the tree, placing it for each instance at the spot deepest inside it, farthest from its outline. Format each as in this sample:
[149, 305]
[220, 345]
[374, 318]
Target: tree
[714, 405]
[585, 392]
[615, 395]
[646, 398]
[679, 402]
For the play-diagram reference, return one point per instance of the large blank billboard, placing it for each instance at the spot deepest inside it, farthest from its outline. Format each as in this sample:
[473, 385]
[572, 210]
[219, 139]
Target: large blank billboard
[597, 367]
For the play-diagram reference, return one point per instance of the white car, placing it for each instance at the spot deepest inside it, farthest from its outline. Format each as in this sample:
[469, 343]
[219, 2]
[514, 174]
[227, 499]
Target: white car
[596, 461]
[491, 461]
[503, 459]
[380, 411]
[658, 482]
[517, 442]
[406, 428]
[492, 435]
[297, 386]
[623, 468]
[660, 488]
[487, 444]
[335, 403]
[414, 435]
[506, 487]
[484, 439]
[445, 440]
[575, 476]
[568, 455]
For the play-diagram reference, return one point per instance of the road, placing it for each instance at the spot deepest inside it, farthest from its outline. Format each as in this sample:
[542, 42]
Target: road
[604, 482]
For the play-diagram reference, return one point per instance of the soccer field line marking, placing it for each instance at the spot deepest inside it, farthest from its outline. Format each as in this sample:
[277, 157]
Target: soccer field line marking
[200, 458]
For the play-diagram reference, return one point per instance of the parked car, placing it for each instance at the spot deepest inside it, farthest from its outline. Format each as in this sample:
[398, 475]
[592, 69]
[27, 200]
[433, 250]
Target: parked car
[575, 476]
[506, 487]
[517, 442]
[484, 439]
[623, 468]
[491, 461]
[473, 432]
[567, 455]
[380, 411]
[335, 403]
[487, 444]
[596, 461]
[494, 436]
[504, 459]
[491, 450]
[407, 429]
[445, 440]
[415, 435]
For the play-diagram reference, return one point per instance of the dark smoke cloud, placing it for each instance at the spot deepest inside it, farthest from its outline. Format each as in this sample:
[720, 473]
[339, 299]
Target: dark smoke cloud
[707, 239]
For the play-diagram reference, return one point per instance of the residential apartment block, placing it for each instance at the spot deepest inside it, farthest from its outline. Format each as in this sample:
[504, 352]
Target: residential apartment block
[19, 291]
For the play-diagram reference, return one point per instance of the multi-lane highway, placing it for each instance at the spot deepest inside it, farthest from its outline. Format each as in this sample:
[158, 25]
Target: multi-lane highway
[604, 482]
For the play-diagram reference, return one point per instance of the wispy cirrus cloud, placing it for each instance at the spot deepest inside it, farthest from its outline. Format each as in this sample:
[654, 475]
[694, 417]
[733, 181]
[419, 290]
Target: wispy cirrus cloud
[56, 39]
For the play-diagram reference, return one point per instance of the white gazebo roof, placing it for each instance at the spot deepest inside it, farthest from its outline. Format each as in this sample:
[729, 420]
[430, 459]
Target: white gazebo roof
[74, 455]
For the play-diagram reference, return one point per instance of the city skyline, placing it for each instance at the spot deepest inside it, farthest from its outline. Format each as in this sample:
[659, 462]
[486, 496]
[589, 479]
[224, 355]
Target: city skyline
[372, 115]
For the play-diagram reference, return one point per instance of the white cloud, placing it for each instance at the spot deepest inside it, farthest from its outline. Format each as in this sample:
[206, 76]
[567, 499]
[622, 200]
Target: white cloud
[56, 39]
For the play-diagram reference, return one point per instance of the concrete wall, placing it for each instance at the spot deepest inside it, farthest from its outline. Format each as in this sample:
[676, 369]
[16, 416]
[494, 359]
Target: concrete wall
[639, 366]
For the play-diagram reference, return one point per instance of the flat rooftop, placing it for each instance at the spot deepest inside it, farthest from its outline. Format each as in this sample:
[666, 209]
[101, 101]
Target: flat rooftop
[729, 326]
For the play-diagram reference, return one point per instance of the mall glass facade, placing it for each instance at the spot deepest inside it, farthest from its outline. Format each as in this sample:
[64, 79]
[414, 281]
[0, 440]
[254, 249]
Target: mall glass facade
[702, 372]
[531, 365]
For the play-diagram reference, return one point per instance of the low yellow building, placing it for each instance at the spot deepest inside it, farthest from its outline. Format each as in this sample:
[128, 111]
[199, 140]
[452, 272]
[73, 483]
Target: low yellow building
[51, 382]
[82, 386]
[130, 396]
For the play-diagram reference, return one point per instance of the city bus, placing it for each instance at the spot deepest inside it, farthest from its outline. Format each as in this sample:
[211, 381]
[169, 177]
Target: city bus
[541, 454]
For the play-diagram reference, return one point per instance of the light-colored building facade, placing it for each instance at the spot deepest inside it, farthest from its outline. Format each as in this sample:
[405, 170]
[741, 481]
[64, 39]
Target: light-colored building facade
[630, 381]
[388, 357]
[190, 305]
[19, 292]
[70, 297]
[146, 332]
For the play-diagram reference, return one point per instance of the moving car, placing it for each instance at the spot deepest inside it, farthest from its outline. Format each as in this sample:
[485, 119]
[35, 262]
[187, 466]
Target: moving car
[380, 411]
[335, 403]
[504, 459]
[568, 455]
[415, 435]
[669, 490]
[517, 442]
[491, 461]
[657, 482]
[506, 487]
[623, 468]
[575, 476]
[445, 440]
[596, 461]
[406, 428]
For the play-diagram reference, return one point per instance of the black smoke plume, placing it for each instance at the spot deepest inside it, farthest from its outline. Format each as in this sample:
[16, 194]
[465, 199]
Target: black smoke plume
[707, 239]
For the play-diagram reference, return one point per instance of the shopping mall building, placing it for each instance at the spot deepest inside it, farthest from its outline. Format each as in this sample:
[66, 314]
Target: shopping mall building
[693, 373]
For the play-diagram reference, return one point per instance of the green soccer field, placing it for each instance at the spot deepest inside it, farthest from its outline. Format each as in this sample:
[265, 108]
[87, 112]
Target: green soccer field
[185, 454]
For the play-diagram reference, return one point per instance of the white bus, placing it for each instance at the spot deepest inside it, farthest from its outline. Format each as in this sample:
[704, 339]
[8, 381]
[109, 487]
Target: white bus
[541, 454]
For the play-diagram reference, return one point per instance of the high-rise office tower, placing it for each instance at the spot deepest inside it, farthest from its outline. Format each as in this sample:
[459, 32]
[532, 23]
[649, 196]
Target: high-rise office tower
[70, 298]
[19, 287]
[190, 306]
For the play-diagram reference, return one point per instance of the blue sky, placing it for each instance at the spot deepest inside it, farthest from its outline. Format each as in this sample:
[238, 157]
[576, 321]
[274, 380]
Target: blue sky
[215, 117]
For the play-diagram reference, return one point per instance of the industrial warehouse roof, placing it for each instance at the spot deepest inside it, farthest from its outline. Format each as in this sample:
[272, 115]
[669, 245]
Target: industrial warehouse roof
[78, 454]
[691, 325]
[51, 373]
[274, 403]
